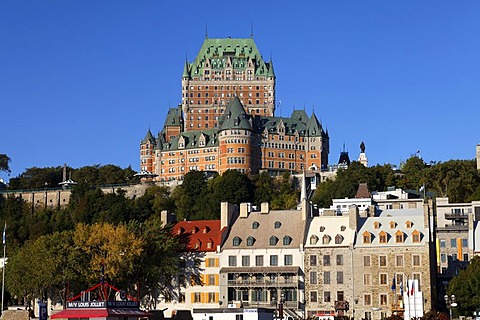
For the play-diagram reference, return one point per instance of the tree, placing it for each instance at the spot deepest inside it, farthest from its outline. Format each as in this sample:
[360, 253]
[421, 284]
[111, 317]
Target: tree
[4, 163]
[189, 196]
[466, 288]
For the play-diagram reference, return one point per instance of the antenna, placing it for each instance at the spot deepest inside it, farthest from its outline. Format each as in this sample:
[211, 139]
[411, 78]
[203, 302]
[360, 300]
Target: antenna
[206, 31]
[251, 29]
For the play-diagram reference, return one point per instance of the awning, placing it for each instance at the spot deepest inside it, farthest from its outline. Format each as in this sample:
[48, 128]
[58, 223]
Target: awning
[99, 313]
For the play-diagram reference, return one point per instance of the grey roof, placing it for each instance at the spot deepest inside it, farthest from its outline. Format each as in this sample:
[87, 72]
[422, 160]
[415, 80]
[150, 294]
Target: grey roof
[174, 116]
[314, 127]
[193, 140]
[290, 225]
[148, 137]
[235, 117]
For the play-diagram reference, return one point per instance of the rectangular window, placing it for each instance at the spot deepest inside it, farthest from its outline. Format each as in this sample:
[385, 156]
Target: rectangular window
[339, 277]
[313, 296]
[383, 299]
[453, 243]
[232, 261]
[416, 260]
[313, 277]
[367, 300]
[212, 297]
[313, 260]
[326, 277]
[442, 243]
[339, 259]
[382, 261]
[465, 243]
[326, 260]
[340, 296]
[367, 279]
[399, 260]
[326, 296]
[259, 261]
[366, 261]
[443, 258]
[245, 261]
[274, 260]
[288, 259]
[383, 279]
[197, 297]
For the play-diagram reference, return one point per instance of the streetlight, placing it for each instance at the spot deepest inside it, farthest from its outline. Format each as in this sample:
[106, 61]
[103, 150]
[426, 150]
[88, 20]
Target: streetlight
[450, 302]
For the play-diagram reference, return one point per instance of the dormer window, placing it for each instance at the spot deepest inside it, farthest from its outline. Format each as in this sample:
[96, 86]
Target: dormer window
[273, 241]
[399, 237]
[277, 224]
[313, 239]
[325, 239]
[383, 237]
[342, 228]
[408, 224]
[236, 241]
[322, 228]
[287, 240]
[416, 236]
[393, 224]
[376, 225]
[367, 237]
[206, 230]
[338, 239]
[255, 225]
[250, 241]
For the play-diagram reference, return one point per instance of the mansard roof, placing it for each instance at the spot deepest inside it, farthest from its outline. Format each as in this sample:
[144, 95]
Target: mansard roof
[331, 226]
[235, 117]
[199, 235]
[238, 52]
[193, 139]
[148, 138]
[262, 226]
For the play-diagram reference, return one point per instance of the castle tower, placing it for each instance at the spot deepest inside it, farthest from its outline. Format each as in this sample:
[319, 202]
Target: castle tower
[147, 146]
[316, 144]
[236, 139]
[223, 69]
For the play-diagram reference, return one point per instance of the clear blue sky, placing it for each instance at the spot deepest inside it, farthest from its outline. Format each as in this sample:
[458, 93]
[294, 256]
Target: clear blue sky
[82, 81]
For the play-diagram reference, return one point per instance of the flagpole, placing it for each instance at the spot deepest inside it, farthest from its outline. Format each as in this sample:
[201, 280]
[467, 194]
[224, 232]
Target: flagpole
[3, 269]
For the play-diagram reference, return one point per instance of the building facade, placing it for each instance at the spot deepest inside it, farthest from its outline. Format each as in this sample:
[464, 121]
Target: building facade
[227, 120]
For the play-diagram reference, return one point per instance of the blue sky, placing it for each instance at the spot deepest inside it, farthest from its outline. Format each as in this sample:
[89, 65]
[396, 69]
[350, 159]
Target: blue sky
[82, 81]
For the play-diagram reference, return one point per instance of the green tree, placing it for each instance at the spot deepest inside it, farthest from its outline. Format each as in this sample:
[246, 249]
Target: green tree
[466, 288]
[4, 163]
[264, 188]
[189, 196]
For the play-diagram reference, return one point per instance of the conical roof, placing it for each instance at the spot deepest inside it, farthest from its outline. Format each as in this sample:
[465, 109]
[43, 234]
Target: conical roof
[148, 137]
[235, 116]
[314, 128]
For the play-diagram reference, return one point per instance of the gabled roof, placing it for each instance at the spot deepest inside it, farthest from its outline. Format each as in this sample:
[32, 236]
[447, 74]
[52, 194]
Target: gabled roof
[192, 140]
[235, 117]
[201, 235]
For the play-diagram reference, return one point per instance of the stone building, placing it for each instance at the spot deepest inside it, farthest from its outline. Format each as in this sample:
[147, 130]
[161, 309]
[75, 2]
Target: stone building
[227, 120]
[262, 259]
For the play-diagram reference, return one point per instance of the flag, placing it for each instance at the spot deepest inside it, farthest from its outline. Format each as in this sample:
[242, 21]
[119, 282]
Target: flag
[401, 288]
[413, 288]
[408, 288]
[422, 188]
[393, 283]
[4, 236]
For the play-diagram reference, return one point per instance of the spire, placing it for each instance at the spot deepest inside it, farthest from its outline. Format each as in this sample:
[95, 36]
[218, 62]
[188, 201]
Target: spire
[148, 137]
[186, 73]
[314, 128]
[271, 72]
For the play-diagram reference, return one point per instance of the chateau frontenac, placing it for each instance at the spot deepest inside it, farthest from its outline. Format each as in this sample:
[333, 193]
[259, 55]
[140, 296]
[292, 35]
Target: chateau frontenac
[226, 120]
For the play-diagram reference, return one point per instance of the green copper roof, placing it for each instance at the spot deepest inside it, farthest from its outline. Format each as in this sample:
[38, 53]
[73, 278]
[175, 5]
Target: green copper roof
[173, 117]
[193, 140]
[148, 137]
[314, 127]
[235, 117]
[186, 71]
[219, 51]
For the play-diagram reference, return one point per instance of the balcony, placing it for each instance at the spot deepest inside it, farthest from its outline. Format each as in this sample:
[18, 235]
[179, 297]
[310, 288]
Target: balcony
[264, 283]
[456, 216]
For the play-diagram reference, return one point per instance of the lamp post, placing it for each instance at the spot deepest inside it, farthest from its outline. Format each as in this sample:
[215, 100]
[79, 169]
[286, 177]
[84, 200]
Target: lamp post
[450, 302]
[280, 307]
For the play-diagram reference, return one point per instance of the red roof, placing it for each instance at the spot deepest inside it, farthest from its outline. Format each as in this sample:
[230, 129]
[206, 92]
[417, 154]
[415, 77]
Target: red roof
[203, 235]
[99, 313]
